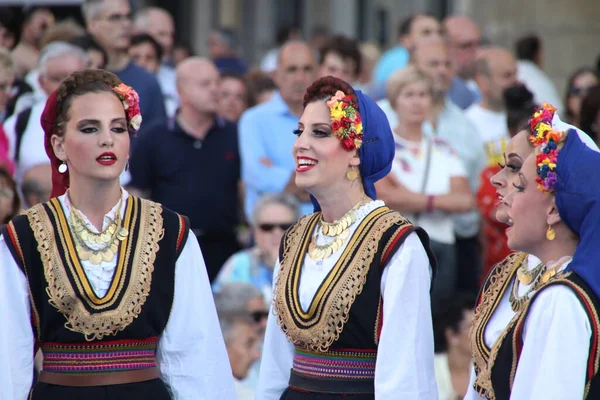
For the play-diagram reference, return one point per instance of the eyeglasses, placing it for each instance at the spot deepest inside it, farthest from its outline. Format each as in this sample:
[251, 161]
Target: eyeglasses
[270, 227]
[114, 18]
[6, 192]
[258, 316]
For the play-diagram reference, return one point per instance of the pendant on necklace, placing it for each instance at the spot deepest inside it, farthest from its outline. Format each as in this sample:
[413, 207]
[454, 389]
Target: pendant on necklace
[197, 144]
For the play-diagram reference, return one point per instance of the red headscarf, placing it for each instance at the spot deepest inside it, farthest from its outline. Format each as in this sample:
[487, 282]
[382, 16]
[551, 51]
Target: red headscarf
[60, 182]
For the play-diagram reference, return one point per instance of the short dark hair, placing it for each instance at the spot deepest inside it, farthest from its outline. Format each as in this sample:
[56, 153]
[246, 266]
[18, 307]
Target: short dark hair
[241, 78]
[590, 108]
[449, 317]
[143, 38]
[519, 108]
[87, 42]
[258, 83]
[406, 25]
[345, 47]
[528, 47]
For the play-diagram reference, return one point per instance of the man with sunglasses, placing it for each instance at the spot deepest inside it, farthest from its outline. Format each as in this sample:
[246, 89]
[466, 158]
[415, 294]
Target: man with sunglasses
[110, 24]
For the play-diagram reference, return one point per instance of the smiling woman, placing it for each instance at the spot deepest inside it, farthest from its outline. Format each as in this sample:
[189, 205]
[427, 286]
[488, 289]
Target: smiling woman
[95, 270]
[351, 275]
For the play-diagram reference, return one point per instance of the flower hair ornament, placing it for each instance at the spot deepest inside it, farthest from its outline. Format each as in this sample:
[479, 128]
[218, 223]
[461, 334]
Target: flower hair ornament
[346, 123]
[131, 103]
[546, 139]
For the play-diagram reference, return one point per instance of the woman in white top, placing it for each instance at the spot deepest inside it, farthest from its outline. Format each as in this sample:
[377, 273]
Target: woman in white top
[351, 311]
[428, 182]
[535, 330]
[110, 287]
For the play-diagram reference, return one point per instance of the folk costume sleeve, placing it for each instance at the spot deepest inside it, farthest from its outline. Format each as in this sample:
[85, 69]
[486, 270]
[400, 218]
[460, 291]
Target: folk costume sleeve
[16, 336]
[404, 367]
[556, 347]
[193, 359]
[277, 359]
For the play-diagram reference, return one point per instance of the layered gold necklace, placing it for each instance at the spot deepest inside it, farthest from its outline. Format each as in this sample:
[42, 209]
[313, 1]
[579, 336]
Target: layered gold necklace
[107, 240]
[338, 230]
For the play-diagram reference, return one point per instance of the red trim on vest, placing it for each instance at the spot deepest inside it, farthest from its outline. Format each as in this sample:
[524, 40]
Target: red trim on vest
[182, 229]
[15, 242]
[392, 245]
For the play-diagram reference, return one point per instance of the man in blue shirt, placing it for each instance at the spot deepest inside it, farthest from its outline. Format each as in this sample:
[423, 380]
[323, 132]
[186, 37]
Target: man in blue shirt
[266, 131]
[109, 22]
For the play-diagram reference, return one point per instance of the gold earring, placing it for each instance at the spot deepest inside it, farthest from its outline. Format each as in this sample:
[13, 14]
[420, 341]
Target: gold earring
[550, 233]
[352, 173]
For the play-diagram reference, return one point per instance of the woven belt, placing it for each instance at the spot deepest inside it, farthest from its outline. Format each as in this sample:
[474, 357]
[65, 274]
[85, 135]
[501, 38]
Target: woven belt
[96, 358]
[343, 371]
[111, 378]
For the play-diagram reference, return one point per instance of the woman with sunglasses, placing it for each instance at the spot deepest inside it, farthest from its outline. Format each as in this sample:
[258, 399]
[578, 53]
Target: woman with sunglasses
[578, 86]
[111, 288]
[272, 216]
[351, 309]
[534, 326]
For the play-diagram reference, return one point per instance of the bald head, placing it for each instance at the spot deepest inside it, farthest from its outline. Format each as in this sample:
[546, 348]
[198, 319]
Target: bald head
[431, 58]
[495, 71]
[295, 71]
[159, 24]
[197, 84]
[464, 39]
[37, 184]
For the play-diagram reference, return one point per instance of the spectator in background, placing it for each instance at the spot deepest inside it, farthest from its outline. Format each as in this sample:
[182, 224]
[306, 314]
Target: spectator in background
[318, 36]
[260, 86]
[496, 71]
[530, 56]
[10, 204]
[109, 22]
[181, 51]
[63, 31]
[26, 54]
[147, 53]
[369, 55]
[428, 182]
[96, 56]
[242, 344]
[8, 28]
[191, 165]
[159, 24]
[340, 57]
[223, 47]
[7, 77]
[519, 108]
[57, 62]
[416, 28]
[578, 85]
[590, 114]
[464, 40]
[234, 96]
[241, 298]
[285, 34]
[265, 148]
[37, 185]
[273, 215]
[452, 347]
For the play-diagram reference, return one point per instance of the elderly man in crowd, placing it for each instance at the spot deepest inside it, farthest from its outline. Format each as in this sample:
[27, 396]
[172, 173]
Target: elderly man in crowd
[37, 185]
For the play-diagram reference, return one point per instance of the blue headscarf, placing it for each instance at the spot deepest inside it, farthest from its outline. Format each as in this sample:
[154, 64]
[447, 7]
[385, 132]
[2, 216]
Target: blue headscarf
[578, 202]
[377, 151]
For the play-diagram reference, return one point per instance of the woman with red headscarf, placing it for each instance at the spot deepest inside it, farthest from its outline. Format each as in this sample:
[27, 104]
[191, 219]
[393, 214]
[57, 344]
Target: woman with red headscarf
[110, 287]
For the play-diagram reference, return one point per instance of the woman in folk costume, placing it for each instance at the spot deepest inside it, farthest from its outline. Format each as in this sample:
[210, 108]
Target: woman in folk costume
[351, 309]
[535, 330]
[110, 287]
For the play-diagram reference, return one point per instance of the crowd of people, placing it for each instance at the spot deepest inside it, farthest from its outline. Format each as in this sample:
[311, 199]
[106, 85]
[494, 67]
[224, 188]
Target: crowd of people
[219, 196]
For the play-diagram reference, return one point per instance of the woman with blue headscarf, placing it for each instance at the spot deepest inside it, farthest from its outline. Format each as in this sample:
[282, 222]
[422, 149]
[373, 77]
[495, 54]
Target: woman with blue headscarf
[536, 330]
[351, 308]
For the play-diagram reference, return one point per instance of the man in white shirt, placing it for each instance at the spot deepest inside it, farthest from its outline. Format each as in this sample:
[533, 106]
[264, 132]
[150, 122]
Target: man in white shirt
[496, 70]
[529, 71]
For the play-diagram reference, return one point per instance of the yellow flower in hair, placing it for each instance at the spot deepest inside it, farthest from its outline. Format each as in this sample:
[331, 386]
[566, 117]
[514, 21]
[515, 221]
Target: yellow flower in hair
[357, 143]
[337, 112]
[358, 127]
[543, 128]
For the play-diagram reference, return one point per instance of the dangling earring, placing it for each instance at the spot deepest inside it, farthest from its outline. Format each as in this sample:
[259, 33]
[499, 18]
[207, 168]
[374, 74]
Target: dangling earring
[550, 233]
[352, 173]
[127, 166]
[62, 168]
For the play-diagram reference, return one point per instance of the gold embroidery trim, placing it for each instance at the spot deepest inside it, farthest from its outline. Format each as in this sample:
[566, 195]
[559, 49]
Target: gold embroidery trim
[496, 284]
[325, 326]
[63, 296]
[73, 258]
[377, 319]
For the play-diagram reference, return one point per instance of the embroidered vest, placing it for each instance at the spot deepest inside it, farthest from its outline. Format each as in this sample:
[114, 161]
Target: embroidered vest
[346, 312]
[64, 307]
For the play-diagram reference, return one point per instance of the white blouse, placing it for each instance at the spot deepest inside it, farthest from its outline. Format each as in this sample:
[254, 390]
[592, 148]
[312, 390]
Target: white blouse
[556, 343]
[404, 366]
[191, 353]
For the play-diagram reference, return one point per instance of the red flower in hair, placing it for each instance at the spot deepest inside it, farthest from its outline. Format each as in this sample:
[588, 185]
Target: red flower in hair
[336, 125]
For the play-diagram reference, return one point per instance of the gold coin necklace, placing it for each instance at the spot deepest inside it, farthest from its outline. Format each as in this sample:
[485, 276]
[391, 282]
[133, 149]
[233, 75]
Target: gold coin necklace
[338, 230]
[527, 276]
[108, 239]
